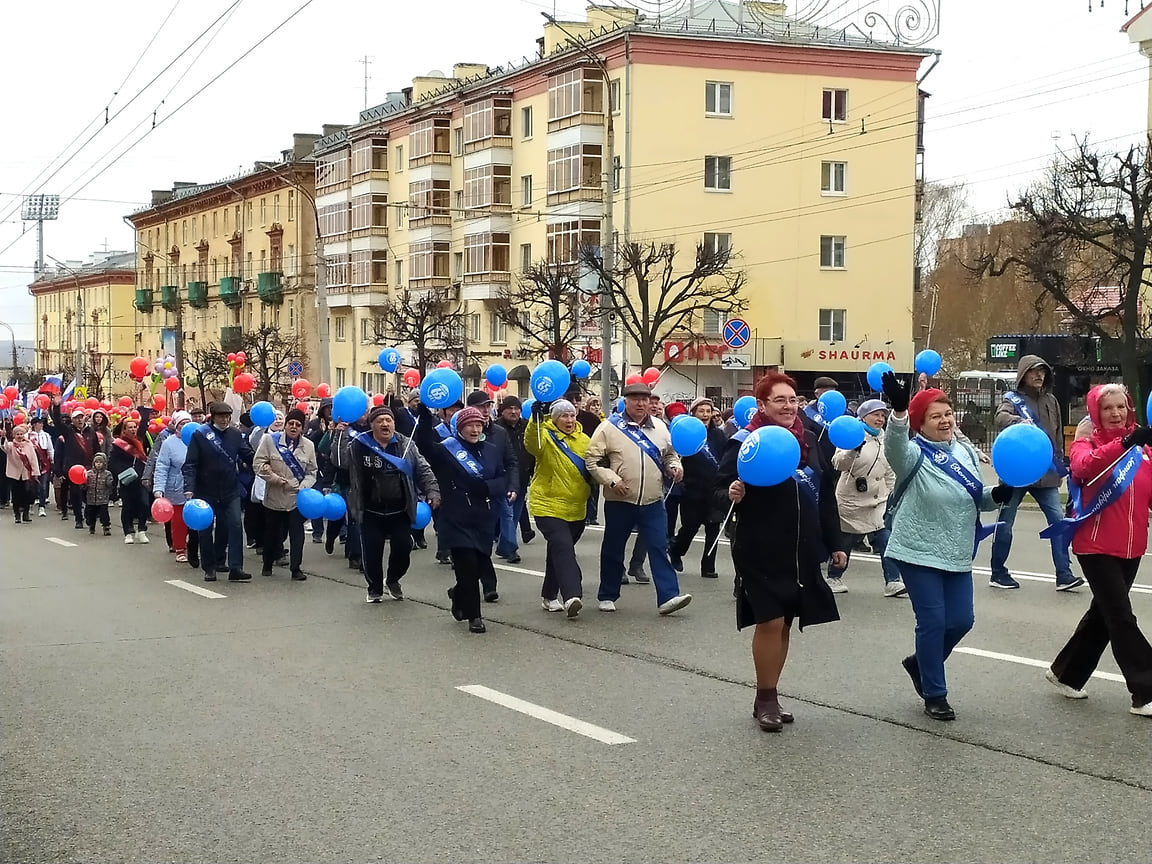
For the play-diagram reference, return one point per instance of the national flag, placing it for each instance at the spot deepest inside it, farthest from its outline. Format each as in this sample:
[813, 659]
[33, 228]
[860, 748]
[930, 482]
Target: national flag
[52, 384]
[68, 391]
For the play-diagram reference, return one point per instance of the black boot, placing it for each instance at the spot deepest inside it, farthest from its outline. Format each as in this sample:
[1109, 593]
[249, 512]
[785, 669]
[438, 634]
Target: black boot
[766, 710]
[476, 625]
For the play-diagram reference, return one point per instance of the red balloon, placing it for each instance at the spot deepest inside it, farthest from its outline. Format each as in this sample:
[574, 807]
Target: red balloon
[3, 401]
[651, 375]
[243, 383]
[126, 401]
[162, 510]
[91, 402]
[323, 391]
[231, 356]
[412, 378]
[378, 399]
[444, 364]
[43, 401]
[78, 475]
[301, 389]
[241, 356]
[134, 415]
[158, 401]
[11, 392]
[634, 378]
[172, 384]
[19, 418]
[139, 367]
[302, 406]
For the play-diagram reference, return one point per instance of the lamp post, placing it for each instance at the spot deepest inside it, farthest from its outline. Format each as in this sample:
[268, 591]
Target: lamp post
[607, 247]
[12, 334]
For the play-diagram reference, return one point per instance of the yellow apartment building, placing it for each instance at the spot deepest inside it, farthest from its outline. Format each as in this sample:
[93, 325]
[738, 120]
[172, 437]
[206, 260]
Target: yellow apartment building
[87, 306]
[218, 260]
[798, 147]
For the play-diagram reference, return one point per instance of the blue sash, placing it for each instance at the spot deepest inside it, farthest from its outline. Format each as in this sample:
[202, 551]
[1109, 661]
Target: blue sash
[365, 439]
[1123, 473]
[575, 459]
[444, 431]
[1058, 466]
[950, 467]
[289, 457]
[641, 440]
[212, 438]
[805, 477]
[814, 415]
[471, 465]
[707, 451]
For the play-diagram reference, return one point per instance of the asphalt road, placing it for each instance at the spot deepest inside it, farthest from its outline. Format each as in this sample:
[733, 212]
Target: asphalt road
[291, 722]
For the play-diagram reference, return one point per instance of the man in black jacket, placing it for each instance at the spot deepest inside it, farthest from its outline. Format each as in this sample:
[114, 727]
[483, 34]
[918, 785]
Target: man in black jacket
[510, 418]
[212, 473]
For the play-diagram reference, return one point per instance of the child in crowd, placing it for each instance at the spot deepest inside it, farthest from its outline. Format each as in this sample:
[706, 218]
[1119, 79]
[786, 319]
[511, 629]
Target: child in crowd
[100, 486]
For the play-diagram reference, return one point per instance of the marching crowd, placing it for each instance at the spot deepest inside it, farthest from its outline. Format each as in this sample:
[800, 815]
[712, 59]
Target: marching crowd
[912, 490]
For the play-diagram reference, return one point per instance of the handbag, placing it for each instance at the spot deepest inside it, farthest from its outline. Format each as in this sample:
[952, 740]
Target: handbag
[127, 476]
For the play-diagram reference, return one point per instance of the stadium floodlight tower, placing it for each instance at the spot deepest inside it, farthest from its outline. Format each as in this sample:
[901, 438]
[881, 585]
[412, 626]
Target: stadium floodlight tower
[40, 209]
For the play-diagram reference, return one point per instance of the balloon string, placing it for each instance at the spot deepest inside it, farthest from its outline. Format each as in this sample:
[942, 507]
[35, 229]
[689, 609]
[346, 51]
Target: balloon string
[716, 542]
[411, 438]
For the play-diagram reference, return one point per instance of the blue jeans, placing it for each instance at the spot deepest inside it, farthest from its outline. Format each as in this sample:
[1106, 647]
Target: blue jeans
[45, 485]
[509, 519]
[879, 542]
[942, 602]
[651, 522]
[229, 535]
[1049, 500]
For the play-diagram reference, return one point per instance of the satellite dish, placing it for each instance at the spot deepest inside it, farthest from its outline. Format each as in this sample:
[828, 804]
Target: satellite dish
[435, 73]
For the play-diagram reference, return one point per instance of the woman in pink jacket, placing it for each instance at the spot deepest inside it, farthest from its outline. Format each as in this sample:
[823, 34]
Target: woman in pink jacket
[23, 471]
[1112, 471]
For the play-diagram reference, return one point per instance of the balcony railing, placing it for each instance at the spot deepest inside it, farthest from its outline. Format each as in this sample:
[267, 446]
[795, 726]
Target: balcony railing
[270, 287]
[170, 297]
[231, 338]
[230, 291]
[143, 300]
[198, 295]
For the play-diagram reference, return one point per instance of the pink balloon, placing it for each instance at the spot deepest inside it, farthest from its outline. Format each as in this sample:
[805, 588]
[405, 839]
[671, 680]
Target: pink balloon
[162, 510]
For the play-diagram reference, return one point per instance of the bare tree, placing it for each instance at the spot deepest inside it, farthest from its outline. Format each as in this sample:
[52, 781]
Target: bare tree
[268, 354]
[1089, 232]
[943, 209]
[653, 302]
[430, 320]
[208, 366]
[543, 305]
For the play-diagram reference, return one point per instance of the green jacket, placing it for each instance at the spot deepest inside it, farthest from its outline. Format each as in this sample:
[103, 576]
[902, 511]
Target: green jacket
[558, 489]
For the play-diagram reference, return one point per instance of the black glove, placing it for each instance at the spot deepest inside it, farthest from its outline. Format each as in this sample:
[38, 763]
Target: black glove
[1141, 436]
[539, 409]
[1002, 493]
[897, 393]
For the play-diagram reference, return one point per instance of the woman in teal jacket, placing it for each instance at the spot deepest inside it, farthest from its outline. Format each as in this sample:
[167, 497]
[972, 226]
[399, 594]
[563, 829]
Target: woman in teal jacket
[934, 516]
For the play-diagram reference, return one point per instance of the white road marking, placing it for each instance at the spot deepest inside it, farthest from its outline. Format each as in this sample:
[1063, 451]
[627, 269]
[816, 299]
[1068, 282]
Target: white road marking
[1027, 661]
[195, 589]
[60, 542]
[580, 727]
[512, 569]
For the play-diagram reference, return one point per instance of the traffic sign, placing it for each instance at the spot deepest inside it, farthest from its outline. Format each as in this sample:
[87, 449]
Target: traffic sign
[295, 368]
[736, 361]
[736, 333]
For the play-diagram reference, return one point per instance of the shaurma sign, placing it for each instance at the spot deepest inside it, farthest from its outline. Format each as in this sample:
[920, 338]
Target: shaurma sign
[829, 357]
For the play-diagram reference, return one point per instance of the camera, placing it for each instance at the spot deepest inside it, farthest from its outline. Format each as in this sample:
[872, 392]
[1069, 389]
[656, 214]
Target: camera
[861, 484]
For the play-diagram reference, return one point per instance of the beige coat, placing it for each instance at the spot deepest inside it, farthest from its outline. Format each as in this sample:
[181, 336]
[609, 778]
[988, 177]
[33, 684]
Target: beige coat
[280, 493]
[863, 512]
[627, 464]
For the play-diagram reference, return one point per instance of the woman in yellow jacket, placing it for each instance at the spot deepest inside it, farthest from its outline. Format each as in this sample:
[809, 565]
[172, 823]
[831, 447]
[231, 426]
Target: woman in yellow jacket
[558, 499]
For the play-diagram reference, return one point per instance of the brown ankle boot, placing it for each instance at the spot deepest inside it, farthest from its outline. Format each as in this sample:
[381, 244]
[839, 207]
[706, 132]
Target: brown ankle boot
[766, 710]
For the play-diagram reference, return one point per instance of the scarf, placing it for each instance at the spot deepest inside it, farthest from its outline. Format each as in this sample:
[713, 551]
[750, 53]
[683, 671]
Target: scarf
[133, 446]
[871, 431]
[797, 428]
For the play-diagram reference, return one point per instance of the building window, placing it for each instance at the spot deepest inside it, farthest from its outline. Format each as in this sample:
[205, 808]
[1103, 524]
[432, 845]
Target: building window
[341, 377]
[566, 239]
[430, 260]
[367, 330]
[291, 209]
[400, 215]
[369, 154]
[713, 321]
[486, 253]
[714, 243]
[263, 212]
[336, 270]
[214, 233]
[614, 95]
[275, 208]
[488, 185]
[497, 329]
[429, 198]
[834, 107]
[399, 272]
[369, 267]
[832, 251]
[458, 140]
[334, 219]
[718, 173]
[718, 99]
[429, 137]
[290, 261]
[399, 157]
[458, 266]
[832, 324]
[576, 167]
[184, 232]
[832, 175]
[483, 120]
[577, 91]
[526, 190]
[292, 314]
[248, 215]
[525, 256]
[331, 170]
[526, 122]
[474, 327]
[369, 212]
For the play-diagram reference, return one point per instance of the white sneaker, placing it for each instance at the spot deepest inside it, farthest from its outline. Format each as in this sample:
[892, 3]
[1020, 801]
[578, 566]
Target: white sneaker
[42, 513]
[129, 539]
[572, 606]
[893, 589]
[606, 606]
[551, 605]
[1141, 710]
[678, 602]
[142, 537]
[837, 585]
[1065, 691]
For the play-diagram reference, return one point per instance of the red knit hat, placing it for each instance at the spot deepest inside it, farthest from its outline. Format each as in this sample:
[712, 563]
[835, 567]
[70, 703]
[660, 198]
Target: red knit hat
[918, 407]
[673, 409]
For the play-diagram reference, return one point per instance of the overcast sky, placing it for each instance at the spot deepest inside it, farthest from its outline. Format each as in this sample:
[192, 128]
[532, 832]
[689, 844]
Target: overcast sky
[1014, 74]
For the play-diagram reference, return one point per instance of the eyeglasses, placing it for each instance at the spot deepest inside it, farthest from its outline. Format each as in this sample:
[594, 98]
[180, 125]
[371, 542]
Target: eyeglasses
[785, 400]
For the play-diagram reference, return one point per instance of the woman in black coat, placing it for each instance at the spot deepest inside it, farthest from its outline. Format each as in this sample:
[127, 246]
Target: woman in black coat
[780, 537]
[473, 486]
[699, 505]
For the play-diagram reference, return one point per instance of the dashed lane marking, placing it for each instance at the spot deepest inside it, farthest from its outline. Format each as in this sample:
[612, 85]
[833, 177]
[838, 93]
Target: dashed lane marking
[1026, 661]
[60, 542]
[195, 589]
[572, 724]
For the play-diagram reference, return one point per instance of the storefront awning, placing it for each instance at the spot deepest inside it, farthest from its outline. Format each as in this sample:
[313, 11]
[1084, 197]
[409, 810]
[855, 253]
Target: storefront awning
[520, 373]
[472, 370]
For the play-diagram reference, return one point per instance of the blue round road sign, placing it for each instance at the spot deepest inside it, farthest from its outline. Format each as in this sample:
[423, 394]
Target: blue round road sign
[295, 368]
[736, 333]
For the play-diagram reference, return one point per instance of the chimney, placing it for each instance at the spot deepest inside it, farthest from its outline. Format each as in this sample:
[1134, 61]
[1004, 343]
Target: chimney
[302, 144]
[161, 196]
[331, 129]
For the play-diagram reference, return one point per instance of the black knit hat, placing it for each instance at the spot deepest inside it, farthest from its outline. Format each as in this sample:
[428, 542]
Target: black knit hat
[297, 415]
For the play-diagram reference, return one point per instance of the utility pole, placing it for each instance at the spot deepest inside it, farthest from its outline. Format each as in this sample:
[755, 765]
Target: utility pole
[365, 63]
[15, 359]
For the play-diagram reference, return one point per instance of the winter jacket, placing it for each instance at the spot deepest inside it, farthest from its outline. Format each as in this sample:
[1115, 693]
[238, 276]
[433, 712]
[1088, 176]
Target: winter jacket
[501, 436]
[363, 461]
[934, 524]
[16, 469]
[827, 448]
[281, 484]
[1044, 409]
[1121, 528]
[101, 483]
[168, 476]
[627, 463]
[558, 488]
[211, 475]
[72, 449]
[699, 485]
[100, 440]
[123, 457]
[525, 459]
[153, 456]
[863, 512]
[588, 421]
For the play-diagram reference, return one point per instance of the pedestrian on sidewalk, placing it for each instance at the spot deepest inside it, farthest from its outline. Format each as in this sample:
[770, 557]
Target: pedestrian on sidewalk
[558, 500]
[286, 462]
[100, 486]
[780, 536]
[127, 461]
[866, 482]
[698, 503]
[933, 517]
[1033, 402]
[473, 485]
[631, 457]
[22, 470]
[387, 476]
[1111, 468]
[168, 483]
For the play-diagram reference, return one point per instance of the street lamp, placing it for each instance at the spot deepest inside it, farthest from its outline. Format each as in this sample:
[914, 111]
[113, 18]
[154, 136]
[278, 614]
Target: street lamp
[15, 363]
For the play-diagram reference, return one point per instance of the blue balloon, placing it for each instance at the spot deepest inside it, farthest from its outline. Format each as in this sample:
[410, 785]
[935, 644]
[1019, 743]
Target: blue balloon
[496, 375]
[349, 405]
[334, 507]
[310, 503]
[550, 380]
[1022, 454]
[389, 359]
[875, 371]
[689, 435]
[526, 408]
[187, 431]
[423, 515]
[677, 419]
[198, 514]
[831, 405]
[768, 456]
[846, 432]
[262, 414]
[928, 362]
[620, 405]
[441, 388]
[581, 369]
[743, 410]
